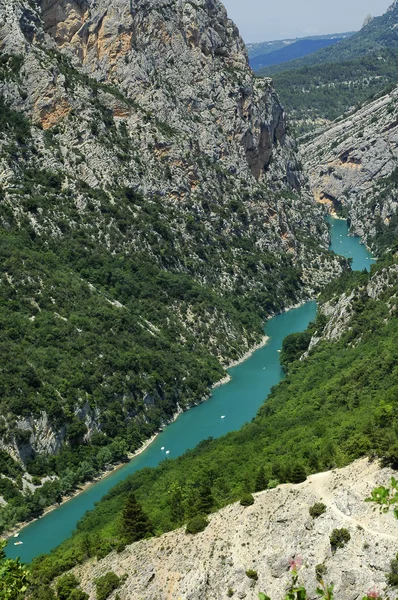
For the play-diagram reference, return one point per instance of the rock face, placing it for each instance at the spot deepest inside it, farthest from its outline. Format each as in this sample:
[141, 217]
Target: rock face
[142, 157]
[351, 166]
[340, 309]
[263, 537]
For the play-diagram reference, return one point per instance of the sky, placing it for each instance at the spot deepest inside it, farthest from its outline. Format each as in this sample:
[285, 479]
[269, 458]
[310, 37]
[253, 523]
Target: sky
[265, 20]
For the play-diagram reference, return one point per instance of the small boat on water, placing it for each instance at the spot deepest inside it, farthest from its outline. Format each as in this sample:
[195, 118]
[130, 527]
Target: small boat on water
[167, 451]
[18, 543]
[162, 448]
[16, 534]
[223, 416]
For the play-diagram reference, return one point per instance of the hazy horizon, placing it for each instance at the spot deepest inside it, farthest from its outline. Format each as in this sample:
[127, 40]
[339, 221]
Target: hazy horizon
[262, 20]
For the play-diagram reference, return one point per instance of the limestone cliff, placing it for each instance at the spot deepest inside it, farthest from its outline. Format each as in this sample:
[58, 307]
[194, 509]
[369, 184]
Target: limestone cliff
[263, 537]
[352, 167]
[154, 214]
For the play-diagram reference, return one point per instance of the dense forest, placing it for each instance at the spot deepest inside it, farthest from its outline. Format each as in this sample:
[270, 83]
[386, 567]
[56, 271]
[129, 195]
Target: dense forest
[336, 79]
[336, 405]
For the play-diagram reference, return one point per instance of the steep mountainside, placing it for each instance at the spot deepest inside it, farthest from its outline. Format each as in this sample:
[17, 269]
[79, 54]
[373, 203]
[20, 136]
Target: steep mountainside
[263, 538]
[153, 213]
[357, 68]
[353, 168]
[337, 403]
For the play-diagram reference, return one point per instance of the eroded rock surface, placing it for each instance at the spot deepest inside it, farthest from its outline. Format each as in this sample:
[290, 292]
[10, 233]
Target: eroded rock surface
[352, 163]
[263, 537]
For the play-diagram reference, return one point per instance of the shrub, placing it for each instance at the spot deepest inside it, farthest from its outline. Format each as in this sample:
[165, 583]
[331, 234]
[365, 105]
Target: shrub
[317, 509]
[196, 524]
[106, 584]
[78, 595]
[273, 483]
[65, 585]
[247, 500]
[392, 576]
[339, 538]
[230, 592]
[252, 574]
[320, 571]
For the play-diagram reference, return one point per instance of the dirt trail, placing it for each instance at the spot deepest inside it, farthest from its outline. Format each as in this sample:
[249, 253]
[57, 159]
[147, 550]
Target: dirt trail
[320, 486]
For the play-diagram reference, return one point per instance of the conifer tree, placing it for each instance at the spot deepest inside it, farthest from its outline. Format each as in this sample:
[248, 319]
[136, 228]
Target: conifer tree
[261, 481]
[205, 501]
[135, 524]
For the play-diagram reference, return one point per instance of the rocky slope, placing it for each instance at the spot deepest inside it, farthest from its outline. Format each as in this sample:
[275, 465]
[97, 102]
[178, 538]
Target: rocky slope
[263, 537]
[153, 214]
[352, 167]
[341, 309]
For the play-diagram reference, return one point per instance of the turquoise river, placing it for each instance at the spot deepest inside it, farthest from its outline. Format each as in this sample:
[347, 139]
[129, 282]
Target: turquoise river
[230, 406]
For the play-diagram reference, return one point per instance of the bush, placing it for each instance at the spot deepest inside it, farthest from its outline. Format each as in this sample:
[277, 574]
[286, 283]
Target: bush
[273, 483]
[252, 574]
[317, 509]
[247, 500]
[106, 585]
[196, 524]
[65, 586]
[78, 595]
[339, 538]
[392, 576]
[320, 571]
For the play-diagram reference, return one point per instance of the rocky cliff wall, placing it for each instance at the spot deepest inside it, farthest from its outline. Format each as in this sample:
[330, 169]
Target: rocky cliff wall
[351, 166]
[139, 158]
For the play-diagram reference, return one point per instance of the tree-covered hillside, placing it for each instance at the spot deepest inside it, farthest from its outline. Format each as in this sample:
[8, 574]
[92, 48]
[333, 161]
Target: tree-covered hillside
[333, 80]
[145, 233]
[338, 404]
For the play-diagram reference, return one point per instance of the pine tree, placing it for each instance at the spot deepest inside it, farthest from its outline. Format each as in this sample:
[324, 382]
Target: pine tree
[261, 481]
[136, 525]
[298, 474]
[205, 501]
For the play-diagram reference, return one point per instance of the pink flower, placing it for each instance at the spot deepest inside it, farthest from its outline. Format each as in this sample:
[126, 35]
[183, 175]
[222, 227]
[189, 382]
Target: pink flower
[373, 592]
[295, 563]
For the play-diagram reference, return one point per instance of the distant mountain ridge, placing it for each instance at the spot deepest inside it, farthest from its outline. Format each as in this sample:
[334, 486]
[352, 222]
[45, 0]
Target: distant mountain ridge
[291, 51]
[257, 49]
[358, 68]
[378, 34]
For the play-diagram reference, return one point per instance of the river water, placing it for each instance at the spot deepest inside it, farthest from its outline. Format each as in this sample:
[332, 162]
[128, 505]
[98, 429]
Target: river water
[230, 406]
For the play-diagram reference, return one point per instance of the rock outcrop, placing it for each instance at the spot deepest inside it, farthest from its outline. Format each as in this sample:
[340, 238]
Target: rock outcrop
[352, 167]
[340, 310]
[263, 537]
[142, 158]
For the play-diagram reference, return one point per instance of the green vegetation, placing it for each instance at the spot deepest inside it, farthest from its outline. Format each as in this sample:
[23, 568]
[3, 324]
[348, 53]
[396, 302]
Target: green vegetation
[247, 500]
[331, 81]
[14, 577]
[252, 574]
[392, 576]
[196, 524]
[330, 409]
[339, 538]
[317, 509]
[133, 335]
[106, 584]
[385, 498]
[135, 523]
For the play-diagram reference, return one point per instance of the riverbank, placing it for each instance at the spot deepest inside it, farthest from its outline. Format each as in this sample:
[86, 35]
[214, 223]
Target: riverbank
[9, 534]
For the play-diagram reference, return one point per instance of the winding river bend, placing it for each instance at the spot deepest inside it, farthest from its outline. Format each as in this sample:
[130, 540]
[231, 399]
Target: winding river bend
[230, 406]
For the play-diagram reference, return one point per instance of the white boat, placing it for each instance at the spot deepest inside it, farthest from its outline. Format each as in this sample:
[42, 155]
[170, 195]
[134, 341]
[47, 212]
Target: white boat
[17, 543]
[167, 451]
[16, 534]
[162, 448]
[223, 416]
